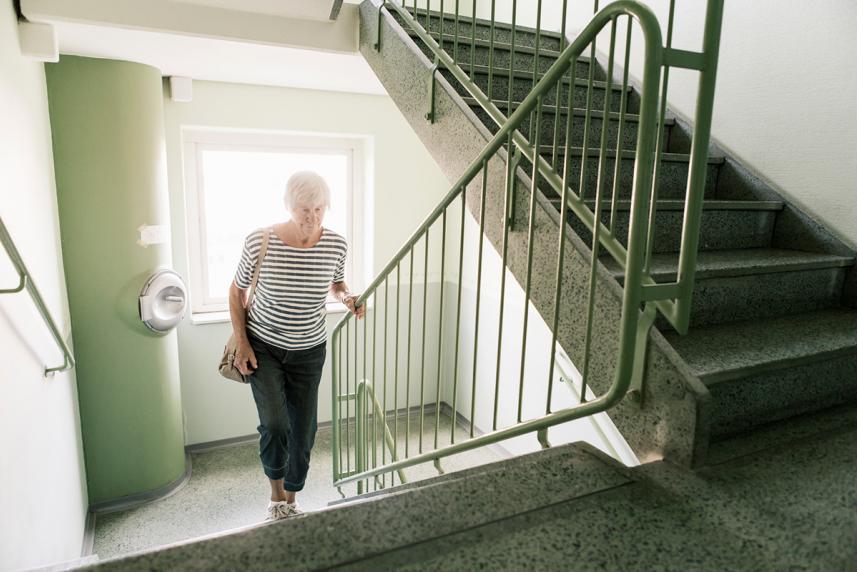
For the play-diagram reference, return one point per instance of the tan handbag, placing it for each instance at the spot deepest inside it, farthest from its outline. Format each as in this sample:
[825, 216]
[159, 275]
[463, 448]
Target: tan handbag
[227, 362]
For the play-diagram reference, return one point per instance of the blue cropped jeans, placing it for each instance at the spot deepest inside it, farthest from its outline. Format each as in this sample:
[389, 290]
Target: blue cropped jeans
[285, 387]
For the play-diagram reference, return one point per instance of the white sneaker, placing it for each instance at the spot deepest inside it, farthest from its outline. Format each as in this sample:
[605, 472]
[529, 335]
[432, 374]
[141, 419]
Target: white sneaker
[278, 510]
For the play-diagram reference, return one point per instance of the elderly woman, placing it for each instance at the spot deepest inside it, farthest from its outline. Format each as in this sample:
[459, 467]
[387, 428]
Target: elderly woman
[282, 336]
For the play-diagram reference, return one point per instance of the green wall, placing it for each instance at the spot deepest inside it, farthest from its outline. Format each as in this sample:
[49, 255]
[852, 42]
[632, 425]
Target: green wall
[109, 156]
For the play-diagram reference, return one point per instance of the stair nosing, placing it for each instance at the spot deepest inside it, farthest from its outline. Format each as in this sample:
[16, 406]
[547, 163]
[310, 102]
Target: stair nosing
[821, 261]
[678, 205]
[614, 115]
[760, 360]
[528, 75]
[738, 373]
[483, 22]
[630, 154]
[501, 46]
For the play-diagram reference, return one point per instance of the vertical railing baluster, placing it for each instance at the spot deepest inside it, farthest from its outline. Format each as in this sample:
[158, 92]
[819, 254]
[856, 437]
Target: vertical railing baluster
[386, 326]
[455, 42]
[408, 373]
[536, 50]
[478, 294]
[584, 158]
[599, 186]
[374, 380]
[559, 84]
[458, 320]
[563, 214]
[423, 341]
[623, 104]
[659, 146]
[440, 330]
[507, 207]
[491, 52]
[512, 64]
[348, 394]
[365, 400]
[528, 281]
[440, 31]
[396, 368]
[472, 40]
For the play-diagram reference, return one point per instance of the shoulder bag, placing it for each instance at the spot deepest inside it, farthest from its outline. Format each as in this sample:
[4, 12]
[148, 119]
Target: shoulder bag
[227, 362]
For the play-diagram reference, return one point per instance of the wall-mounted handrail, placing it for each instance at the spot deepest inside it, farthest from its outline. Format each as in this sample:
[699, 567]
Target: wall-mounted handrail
[26, 282]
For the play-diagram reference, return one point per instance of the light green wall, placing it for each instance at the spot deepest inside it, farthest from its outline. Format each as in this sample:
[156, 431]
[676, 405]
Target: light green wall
[43, 497]
[407, 185]
[107, 122]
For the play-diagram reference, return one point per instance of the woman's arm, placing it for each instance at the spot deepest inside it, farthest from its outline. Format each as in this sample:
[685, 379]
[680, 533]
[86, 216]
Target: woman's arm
[340, 292]
[245, 359]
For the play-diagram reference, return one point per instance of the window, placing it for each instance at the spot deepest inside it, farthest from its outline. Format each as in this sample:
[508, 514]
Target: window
[235, 183]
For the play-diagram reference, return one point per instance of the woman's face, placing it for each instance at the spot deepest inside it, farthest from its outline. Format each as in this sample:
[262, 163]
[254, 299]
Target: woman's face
[308, 217]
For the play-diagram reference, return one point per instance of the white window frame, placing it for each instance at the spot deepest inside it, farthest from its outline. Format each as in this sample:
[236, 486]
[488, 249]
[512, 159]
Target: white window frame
[195, 140]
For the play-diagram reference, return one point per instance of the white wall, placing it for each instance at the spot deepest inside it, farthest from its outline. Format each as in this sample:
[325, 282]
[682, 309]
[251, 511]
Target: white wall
[407, 185]
[784, 101]
[43, 499]
[597, 430]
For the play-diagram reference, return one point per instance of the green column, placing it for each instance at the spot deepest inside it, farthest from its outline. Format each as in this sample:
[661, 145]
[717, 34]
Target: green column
[110, 162]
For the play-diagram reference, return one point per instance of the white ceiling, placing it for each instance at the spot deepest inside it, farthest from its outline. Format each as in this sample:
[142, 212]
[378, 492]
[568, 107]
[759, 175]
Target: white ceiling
[222, 60]
[302, 9]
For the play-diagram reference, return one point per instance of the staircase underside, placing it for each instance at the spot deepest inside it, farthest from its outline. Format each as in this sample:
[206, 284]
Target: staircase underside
[761, 260]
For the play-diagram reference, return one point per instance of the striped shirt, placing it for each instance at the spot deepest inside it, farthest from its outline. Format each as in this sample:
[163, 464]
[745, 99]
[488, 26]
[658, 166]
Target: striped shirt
[288, 310]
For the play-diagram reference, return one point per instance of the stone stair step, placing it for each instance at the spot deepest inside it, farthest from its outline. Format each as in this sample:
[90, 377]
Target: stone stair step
[522, 84]
[547, 124]
[759, 371]
[502, 31]
[734, 285]
[524, 57]
[808, 427]
[307, 542]
[725, 225]
[672, 176]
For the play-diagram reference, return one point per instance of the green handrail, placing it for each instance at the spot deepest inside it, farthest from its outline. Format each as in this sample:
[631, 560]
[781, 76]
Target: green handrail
[673, 300]
[26, 283]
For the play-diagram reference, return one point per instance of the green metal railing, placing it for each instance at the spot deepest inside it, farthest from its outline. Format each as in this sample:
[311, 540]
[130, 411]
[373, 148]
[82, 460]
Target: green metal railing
[550, 170]
[26, 283]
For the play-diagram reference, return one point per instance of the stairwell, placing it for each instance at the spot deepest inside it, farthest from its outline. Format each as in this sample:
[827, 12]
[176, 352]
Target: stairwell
[774, 305]
[748, 420]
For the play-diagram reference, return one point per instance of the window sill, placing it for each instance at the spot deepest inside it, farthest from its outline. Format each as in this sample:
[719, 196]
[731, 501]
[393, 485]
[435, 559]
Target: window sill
[204, 318]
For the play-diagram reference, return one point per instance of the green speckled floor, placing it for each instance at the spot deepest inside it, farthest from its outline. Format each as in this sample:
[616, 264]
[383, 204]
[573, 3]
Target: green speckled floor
[227, 490]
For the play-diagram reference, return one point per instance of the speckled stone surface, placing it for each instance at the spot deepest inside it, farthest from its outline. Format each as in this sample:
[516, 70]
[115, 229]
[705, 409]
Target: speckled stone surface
[810, 426]
[360, 530]
[502, 32]
[523, 83]
[788, 508]
[720, 229]
[227, 490]
[672, 178]
[549, 124]
[763, 370]
[734, 285]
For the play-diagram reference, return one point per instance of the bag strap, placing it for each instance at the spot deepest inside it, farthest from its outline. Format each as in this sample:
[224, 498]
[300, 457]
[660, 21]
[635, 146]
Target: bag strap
[262, 251]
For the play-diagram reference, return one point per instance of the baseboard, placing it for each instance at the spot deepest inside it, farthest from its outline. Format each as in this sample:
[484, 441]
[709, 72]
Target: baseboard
[133, 501]
[88, 535]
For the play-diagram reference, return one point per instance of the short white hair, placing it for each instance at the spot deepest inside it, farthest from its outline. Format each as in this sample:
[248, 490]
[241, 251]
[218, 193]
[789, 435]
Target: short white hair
[307, 188]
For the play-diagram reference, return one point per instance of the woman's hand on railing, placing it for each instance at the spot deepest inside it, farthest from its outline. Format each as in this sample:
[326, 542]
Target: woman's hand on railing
[358, 311]
[245, 358]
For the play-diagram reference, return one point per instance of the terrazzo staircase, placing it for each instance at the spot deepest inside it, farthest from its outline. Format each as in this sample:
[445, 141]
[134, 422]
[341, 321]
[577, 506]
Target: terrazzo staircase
[773, 324]
[572, 508]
